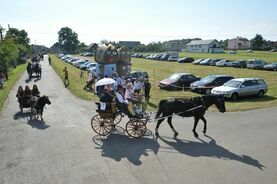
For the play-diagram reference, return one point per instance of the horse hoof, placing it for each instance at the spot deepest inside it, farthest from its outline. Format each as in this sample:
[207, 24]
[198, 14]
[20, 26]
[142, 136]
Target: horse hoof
[195, 134]
[157, 134]
[204, 132]
[176, 134]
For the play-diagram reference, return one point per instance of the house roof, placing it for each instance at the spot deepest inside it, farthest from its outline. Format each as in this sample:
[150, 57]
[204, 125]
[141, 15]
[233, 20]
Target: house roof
[201, 42]
[240, 38]
[91, 45]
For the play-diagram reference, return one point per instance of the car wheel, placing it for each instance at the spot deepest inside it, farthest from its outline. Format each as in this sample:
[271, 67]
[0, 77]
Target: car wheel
[261, 94]
[234, 97]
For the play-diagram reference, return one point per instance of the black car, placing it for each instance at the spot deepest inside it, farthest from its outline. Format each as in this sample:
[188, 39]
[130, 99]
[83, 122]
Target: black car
[239, 64]
[185, 60]
[133, 75]
[178, 81]
[205, 85]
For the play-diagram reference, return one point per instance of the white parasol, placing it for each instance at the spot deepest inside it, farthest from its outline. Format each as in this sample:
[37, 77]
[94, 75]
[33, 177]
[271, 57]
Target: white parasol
[105, 81]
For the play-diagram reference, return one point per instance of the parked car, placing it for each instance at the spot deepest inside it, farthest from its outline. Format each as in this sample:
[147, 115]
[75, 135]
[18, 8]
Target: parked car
[241, 87]
[233, 52]
[205, 85]
[255, 64]
[273, 50]
[90, 65]
[133, 75]
[185, 60]
[249, 51]
[172, 58]
[214, 61]
[271, 66]
[178, 81]
[197, 62]
[85, 65]
[164, 57]
[224, 62]
[206, 61]
[78, 65]
[239, 64]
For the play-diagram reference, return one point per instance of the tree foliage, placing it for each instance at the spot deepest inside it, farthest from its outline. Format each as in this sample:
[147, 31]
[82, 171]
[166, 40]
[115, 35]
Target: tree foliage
[151, 47]
[68, 40]
[257, 43]
[14, 45]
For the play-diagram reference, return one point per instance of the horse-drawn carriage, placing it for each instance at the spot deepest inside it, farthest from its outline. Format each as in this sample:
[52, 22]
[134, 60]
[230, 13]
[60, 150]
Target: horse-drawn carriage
[105, 121]
[34, 68]
[27, 103]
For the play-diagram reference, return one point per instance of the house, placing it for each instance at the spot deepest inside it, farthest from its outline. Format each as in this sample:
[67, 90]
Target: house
[238, 43]
[129, 44]
[211, 46]
[92, 47]
[174, 45]
[56, 48]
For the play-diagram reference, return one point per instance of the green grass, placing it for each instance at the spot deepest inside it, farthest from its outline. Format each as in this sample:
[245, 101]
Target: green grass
[159, 70]
[14, 75]
[76, 83]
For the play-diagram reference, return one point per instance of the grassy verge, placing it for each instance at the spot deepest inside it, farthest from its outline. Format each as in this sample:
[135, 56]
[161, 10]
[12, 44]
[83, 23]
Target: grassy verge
[14, 75]
[76, 83]
[159, 70]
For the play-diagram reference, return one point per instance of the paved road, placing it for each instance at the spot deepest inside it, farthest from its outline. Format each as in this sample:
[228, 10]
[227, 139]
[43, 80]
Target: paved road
[241, 147]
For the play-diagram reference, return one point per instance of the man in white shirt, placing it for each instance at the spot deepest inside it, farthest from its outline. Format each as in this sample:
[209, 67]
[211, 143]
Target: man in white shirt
[137, 86]
[123, 103]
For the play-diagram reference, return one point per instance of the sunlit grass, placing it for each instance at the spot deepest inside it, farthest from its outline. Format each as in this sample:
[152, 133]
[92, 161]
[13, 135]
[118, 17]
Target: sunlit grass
[14, 75]
[159, 70]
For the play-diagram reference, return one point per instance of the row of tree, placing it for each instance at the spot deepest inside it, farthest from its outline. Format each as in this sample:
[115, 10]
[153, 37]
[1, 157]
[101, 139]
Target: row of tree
[14, 47]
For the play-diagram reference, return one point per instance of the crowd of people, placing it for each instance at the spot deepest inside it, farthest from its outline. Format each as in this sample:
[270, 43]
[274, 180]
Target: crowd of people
[127, 95]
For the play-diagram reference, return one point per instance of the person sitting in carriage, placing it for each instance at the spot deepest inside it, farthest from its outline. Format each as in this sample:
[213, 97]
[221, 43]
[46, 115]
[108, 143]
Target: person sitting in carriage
[27, 93]
[123, 104]
[134, 98]
[106, 99]
[35, 91]
[20, 92]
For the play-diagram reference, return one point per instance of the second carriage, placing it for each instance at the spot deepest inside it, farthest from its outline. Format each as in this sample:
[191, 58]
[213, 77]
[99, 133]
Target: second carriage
[105, 121]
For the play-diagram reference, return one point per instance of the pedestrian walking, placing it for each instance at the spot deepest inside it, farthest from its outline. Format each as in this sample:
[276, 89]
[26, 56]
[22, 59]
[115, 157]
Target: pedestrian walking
[66, 80]
[147, 87]
[49, 60]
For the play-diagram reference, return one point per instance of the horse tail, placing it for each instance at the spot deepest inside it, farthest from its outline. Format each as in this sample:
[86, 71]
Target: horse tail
[160, 109]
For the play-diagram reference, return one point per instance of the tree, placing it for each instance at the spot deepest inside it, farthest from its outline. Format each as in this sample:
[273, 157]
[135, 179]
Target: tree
[68, 40]
[257, 42]
[18, 36]
[81, 47]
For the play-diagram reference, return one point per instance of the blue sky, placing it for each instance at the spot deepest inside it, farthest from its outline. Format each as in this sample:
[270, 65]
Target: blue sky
[142, 20]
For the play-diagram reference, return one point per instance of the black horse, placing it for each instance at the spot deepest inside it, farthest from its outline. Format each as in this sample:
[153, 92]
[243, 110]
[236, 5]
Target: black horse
[195, 107]
[36, 70]
[40, 104]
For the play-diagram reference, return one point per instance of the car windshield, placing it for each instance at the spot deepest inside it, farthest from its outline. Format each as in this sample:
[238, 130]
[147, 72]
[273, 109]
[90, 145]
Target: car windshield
[174, 76]
[232, 83]
[208, 79]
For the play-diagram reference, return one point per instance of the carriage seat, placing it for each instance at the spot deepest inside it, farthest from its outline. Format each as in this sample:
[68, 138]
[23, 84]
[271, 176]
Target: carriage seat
[105, 107]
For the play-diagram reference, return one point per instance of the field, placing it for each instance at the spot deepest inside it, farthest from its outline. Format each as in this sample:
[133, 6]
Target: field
[159, 70]
[14, 75]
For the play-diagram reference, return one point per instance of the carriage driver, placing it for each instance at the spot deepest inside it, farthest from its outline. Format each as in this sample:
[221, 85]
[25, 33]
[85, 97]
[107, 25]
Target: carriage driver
[122, 103]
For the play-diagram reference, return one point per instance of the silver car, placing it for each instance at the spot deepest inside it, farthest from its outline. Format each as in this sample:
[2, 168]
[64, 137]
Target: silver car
[239, 87]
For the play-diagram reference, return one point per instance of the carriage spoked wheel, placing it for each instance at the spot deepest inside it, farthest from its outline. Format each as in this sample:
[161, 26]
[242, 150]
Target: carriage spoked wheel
[136, 128]
[101, 126]
[117, 118]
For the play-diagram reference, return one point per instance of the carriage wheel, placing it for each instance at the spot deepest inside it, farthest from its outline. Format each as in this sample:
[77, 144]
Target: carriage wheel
[101, 126]
[117, 118]
[136, 128]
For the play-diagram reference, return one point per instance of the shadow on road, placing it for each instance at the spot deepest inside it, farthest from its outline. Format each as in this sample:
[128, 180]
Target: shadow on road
[209, 149]
[117, 146]
[33, 122]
